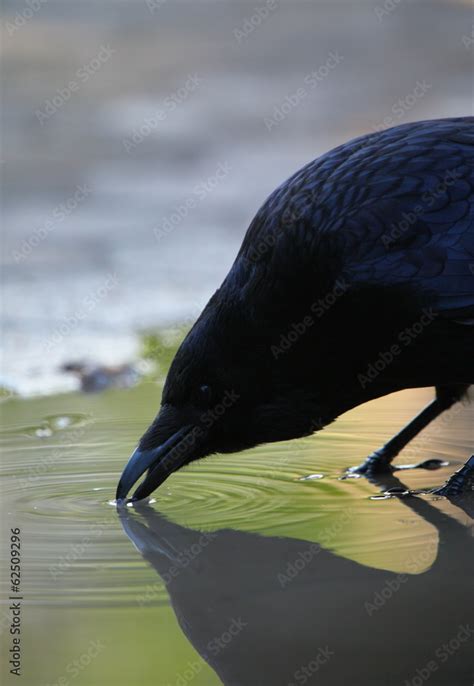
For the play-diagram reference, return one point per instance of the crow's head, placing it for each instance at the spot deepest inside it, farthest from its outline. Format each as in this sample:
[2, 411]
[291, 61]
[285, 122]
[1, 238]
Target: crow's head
[225, 391]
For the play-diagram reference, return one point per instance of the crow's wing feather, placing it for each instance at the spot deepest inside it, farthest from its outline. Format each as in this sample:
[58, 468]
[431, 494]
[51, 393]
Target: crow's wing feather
[392, 207]
[420, 231]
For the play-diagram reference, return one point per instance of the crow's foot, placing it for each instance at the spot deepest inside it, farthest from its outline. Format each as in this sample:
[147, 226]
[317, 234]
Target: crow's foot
[379, 462]
[460, 483]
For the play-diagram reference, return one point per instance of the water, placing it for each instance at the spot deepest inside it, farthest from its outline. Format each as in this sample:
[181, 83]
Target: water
[227, 534]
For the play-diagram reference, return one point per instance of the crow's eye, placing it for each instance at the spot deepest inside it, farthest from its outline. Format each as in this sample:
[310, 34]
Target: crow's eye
[205, 394]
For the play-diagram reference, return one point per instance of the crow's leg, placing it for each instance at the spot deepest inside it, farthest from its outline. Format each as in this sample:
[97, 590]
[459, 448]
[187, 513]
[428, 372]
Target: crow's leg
[380, 460]
[460, 483]
[459, 489]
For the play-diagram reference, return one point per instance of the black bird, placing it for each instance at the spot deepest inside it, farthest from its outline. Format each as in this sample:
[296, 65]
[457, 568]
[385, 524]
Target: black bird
[355, 279]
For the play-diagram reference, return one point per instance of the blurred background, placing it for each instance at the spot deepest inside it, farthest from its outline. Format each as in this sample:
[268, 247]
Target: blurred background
[140, 138]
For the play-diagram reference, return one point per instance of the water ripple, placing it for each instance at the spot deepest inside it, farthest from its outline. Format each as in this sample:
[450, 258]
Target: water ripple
[58, 487]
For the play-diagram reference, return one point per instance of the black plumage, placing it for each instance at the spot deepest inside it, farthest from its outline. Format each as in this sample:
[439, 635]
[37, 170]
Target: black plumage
[355, 279]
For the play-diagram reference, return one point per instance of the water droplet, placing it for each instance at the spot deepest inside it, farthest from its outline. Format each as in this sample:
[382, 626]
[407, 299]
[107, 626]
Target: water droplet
[43, 432]
[350, 475]
[62, 422]
[310, 477]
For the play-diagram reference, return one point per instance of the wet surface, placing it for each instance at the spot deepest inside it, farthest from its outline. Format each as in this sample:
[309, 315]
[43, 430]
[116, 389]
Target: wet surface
[246, 552]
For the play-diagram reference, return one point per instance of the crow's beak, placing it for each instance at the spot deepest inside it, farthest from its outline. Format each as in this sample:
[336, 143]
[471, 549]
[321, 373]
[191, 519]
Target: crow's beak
[160, 463]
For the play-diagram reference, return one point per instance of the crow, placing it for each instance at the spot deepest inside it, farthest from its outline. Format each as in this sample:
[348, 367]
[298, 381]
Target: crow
[355, 279]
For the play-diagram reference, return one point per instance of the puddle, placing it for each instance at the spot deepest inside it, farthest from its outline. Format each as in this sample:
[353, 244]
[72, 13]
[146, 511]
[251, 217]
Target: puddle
[110, 569]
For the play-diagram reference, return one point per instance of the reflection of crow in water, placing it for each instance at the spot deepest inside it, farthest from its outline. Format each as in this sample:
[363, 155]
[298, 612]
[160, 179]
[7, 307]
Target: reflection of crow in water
[355, 279]
[269, 611]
